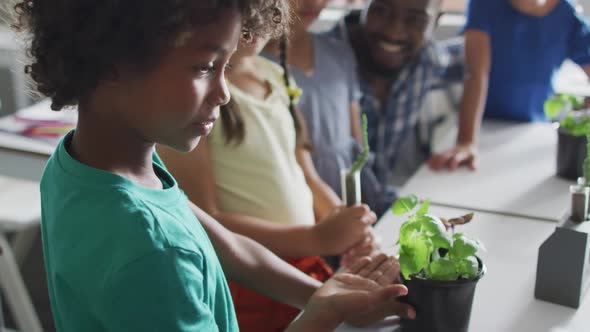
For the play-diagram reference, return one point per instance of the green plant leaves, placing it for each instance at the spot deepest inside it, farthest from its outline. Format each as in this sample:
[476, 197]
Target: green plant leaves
[426, 248]
[467, 267]
[463, 247]
[404, 205]
[423, 208]
[432, 225]
[435, 230]
[407, 230]
[576, 123]
[562, 103]
[442, 269]
[417, 256]
[364, 155]
[553, 107]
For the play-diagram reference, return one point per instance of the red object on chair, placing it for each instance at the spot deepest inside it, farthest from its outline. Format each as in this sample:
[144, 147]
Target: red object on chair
[258, 313]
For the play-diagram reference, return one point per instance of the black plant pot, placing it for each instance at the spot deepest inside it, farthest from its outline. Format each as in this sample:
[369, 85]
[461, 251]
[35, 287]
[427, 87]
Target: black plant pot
[571, 152]
[441, 306]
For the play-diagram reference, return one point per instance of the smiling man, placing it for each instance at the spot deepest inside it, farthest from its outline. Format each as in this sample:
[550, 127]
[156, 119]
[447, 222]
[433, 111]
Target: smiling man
[399, 64]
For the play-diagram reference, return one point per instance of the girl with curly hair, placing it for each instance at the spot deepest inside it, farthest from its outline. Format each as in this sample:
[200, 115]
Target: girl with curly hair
[124, 248]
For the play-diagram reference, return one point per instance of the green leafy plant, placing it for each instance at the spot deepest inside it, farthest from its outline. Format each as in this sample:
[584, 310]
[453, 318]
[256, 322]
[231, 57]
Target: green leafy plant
[574, 121]
[361, 160]
[427, 250]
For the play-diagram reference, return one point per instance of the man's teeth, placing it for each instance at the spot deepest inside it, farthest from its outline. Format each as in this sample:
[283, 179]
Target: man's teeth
[389, 47]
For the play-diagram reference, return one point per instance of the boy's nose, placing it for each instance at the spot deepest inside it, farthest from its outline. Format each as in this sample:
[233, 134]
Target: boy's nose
[220, 95]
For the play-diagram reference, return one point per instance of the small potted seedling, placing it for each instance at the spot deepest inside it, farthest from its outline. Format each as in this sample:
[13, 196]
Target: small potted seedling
[574, 127]
[351, 178]
[439, 267]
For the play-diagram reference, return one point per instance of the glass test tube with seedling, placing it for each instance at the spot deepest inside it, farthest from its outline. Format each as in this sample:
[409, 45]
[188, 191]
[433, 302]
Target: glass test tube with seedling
[351, 178]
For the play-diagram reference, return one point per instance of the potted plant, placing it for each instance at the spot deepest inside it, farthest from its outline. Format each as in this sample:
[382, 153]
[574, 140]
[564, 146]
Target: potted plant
[351, 178]
[574, 128]
[439, 267]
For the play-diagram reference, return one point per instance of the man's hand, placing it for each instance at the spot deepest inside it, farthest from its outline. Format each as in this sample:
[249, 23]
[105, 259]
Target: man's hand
[462, 154]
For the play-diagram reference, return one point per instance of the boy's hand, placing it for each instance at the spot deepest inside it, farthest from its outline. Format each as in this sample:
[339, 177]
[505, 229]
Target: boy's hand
[384, 271]
[369, 246]
[343, 228]
[343, 296]
[462, 154]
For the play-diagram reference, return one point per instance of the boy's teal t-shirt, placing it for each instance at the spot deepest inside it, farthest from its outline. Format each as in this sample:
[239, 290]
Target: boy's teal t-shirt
[122, 257]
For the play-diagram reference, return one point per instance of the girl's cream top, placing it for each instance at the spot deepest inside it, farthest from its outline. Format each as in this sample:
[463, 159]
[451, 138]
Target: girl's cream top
[260, 177]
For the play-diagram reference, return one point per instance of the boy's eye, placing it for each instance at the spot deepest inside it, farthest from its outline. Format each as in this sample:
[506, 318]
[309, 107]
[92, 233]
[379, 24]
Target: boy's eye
[204, 69]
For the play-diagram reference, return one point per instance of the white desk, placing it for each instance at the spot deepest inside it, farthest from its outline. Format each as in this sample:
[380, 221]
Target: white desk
[24, 157]
[504, 298]
[516, 174]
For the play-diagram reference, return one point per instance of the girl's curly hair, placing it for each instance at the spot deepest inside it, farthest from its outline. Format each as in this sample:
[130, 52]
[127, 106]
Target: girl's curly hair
[72, 45]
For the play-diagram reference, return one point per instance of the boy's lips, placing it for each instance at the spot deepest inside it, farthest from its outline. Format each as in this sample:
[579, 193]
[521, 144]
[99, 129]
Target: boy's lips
[204, 127]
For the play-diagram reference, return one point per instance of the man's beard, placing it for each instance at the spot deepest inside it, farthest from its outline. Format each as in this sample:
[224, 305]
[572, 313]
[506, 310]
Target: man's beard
[378, 69]
[368, 62]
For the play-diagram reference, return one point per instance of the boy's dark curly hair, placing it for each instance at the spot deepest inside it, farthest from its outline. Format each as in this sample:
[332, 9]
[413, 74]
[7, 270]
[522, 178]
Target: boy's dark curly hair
[74, 44]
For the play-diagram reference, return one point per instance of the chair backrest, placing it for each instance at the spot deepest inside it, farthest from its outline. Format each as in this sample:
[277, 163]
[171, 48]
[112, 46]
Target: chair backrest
[1, 316]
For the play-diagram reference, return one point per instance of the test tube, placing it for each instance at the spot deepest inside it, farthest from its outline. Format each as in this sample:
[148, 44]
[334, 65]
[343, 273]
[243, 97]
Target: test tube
[351, 187]
[579, 209]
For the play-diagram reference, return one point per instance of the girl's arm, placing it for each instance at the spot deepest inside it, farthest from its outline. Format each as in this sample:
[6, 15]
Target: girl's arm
[324, 198]
[475, 89]
[195, 176]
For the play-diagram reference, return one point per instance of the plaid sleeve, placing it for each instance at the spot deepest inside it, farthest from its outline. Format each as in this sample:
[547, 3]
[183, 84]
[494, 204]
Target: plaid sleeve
[451, 59]
[444, 61]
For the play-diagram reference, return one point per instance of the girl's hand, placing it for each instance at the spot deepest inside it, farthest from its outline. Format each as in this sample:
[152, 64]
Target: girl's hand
[343, 228]
[370, 246]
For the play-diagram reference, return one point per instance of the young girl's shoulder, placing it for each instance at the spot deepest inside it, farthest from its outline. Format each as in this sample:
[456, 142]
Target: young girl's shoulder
[269, 69]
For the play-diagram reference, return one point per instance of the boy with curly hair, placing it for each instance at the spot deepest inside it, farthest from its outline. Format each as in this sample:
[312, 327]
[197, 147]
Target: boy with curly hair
[124, 248]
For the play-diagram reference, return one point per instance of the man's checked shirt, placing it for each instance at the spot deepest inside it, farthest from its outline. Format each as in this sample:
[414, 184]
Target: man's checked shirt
[395, 127]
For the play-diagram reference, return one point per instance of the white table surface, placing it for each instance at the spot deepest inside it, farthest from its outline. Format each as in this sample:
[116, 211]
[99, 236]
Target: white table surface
[504, 298]
[516, 174]
[24, 157]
